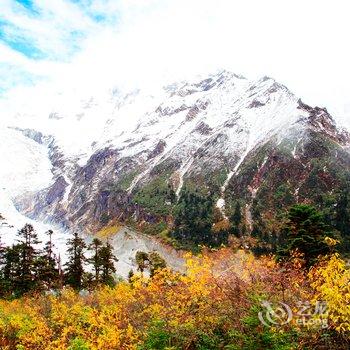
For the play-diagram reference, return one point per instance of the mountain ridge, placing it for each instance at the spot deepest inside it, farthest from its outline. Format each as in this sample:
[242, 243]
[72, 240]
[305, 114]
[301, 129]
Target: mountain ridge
[197, 134]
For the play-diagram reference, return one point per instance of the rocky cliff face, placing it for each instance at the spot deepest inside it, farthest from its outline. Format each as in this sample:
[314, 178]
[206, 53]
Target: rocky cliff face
[243, 141]
[310, 162]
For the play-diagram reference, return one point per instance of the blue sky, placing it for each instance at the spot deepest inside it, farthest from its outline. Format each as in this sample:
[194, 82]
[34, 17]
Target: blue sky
[58, 45]
[35, 31]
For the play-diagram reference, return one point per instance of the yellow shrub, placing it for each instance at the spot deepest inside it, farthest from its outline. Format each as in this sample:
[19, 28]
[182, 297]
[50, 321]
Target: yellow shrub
[331, 282]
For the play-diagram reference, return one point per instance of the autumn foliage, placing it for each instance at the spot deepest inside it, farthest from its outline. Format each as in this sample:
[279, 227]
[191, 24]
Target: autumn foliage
[214, 305]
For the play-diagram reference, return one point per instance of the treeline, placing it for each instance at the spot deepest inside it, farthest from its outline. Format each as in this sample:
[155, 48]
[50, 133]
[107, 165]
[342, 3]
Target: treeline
[197, 222]
[304, 228]
[24, 268]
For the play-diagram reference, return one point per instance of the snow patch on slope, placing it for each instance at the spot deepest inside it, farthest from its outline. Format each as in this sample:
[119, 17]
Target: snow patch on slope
[183, 170]
[25, 167]
[220, 204]
[13, 221]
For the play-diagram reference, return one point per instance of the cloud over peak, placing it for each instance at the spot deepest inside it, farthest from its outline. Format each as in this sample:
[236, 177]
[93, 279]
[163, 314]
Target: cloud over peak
[86, 45]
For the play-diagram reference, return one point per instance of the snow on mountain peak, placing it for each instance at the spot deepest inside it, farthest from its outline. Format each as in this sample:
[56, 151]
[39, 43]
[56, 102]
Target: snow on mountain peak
[79, 125]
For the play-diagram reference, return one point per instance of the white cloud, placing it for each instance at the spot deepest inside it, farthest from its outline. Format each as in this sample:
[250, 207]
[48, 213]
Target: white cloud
[302, 44]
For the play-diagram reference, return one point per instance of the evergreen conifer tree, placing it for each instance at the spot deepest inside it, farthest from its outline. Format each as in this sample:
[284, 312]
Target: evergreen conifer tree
[74, 271]
[48, 273]
[11, 270]
[107, 259]
[141, 261]
[28, 255]
[156, 263]
[95, 260]
[305, 231]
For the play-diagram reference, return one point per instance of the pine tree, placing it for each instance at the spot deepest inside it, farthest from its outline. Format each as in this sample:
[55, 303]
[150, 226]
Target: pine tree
[305, 231]
[95, 260]
[152, 260]
[27, 277]
[48, 272]
[141, 261]
[156, 263]
[107, 259]
[74, 271]
[12, 270]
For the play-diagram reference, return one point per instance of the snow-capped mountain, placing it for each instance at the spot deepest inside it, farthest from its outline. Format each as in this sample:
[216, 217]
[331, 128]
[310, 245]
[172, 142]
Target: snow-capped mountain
[129, 155]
